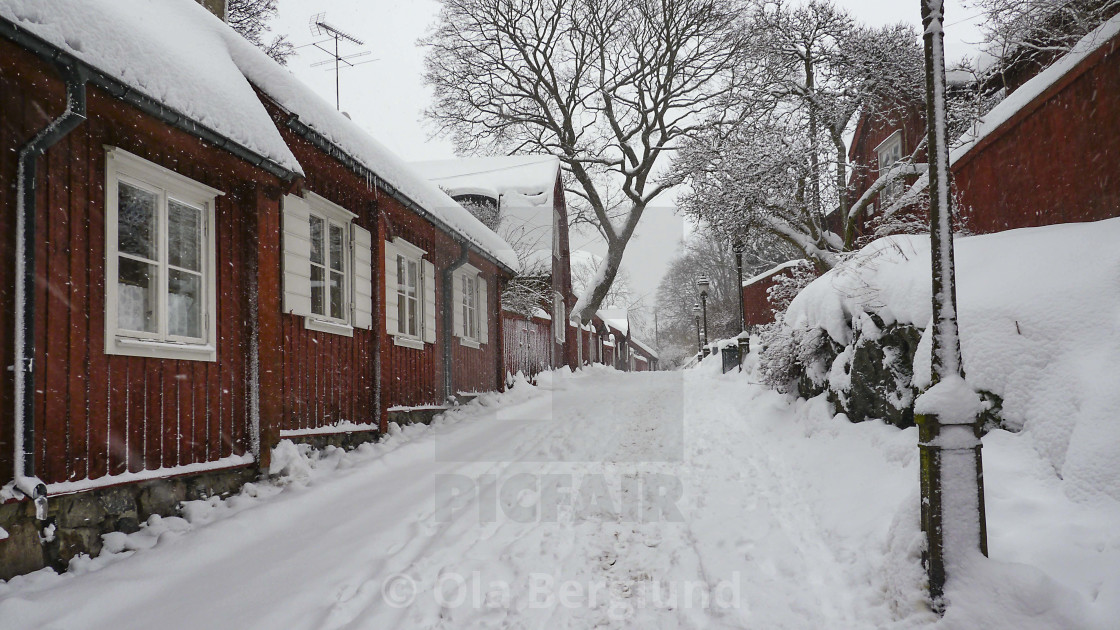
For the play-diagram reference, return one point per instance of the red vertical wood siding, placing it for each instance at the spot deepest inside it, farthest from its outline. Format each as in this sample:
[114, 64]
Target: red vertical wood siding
[328, 378]
[413, 377]
[756, 301]
[99, 414]
[1055, 160]
[527, 344]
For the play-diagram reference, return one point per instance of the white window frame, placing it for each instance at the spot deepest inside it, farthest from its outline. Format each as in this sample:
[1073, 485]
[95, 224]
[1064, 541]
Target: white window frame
[889, 153]
[410, 254]
[469, 287]
[333, 214]
[469, 276]
[122, 166]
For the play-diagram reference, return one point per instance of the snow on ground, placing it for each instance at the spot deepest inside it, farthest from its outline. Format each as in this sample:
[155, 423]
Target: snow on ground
[600, 499]
[1039, 313]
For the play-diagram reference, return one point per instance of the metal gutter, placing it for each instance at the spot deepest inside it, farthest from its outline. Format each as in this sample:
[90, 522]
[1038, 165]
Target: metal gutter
[321, 142]
[117, 89]
[75, 114]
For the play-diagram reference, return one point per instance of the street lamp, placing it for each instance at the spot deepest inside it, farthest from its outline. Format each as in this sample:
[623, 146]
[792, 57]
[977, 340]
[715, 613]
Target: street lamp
[703, 283]
[699, 343]
[952, 473]
[738, 248]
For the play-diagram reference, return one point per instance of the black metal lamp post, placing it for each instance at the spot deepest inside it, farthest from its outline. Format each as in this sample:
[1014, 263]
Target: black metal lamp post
[699, 342]
[738, 248]
[950, 464]
[704, 284]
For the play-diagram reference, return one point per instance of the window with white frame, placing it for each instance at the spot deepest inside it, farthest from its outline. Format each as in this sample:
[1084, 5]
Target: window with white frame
[409, 306]
[160, 288]
[328, 265]
[330, 251]
[469, 297]
[410, 297]
[470, 306]
[889, 153]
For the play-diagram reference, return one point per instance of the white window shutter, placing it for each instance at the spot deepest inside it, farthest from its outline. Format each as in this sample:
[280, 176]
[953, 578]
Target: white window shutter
[297, 255]
[429, 279]
[363, 277]
[483, 322]
[390, 289]
[457, 303]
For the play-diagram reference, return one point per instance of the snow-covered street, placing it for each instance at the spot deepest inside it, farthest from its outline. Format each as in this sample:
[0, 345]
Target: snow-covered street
[603, 499]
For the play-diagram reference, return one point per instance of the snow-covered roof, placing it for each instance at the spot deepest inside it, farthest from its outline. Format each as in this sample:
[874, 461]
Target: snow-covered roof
[1034, 88]
[178, 53]
[347, 135]
[773, 271]
[648, 350]
[523, 184]
[519, 179]
[616, 318]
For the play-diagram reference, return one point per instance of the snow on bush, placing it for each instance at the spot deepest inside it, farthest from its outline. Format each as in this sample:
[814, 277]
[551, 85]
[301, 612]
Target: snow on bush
[1039, 313]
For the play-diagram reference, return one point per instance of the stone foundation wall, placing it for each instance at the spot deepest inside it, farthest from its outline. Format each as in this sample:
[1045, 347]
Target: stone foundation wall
[348, 441]
[415, 416]
[80, 519]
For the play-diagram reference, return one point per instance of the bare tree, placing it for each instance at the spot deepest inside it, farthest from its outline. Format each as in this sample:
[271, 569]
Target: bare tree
[1038, 31]
[250, 18]
[609, 87]
[783, 168]
[706, 252]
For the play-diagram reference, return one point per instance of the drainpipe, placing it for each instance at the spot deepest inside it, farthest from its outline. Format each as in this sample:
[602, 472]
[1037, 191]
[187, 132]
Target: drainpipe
[25, 479]
[449, 318]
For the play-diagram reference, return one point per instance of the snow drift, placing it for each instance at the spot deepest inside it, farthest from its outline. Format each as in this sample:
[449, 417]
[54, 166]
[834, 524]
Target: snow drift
[1040, 327]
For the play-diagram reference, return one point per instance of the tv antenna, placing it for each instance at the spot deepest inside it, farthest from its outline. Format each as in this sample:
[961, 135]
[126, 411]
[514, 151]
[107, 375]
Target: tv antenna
[320, 28]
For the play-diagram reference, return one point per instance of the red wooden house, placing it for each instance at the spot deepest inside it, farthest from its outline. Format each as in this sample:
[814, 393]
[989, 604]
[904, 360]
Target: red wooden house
[757, 308]
[197, 258]
[526, 194]
[410, 280]
[643, 358]
[134, 296]
[1042, 156]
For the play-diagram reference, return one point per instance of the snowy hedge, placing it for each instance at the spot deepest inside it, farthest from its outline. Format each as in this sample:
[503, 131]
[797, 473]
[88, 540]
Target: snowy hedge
[1040, 332]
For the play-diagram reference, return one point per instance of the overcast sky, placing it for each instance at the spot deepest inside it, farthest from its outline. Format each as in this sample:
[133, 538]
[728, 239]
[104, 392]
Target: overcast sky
[387, 96]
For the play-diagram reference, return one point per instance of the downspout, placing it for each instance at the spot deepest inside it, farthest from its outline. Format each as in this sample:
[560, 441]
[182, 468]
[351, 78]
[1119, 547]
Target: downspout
[449, 318]
[25, 479]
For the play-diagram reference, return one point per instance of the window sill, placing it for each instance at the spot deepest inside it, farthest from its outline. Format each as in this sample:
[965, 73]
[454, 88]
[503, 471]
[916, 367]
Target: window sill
[407, 342]
[130, 346]
[322, 325]
[470, 343]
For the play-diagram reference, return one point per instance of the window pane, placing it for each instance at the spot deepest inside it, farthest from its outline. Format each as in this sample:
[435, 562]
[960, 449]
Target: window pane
[184, 236]
[400, 272]
[136, 221]
[402, 316]
[412, 279]
[136, 295]
[317, 282]
[412, 317]
[316, 240]
[336, 295]
[336, 248]
[184, 304]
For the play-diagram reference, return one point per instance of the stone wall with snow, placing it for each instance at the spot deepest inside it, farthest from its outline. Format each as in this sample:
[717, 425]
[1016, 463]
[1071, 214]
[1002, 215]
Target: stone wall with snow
[1040, 329]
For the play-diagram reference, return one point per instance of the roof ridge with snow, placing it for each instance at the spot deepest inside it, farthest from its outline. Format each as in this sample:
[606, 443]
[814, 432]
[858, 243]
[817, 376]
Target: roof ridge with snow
[1030, 91]
[179, 54]
[773, 270]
